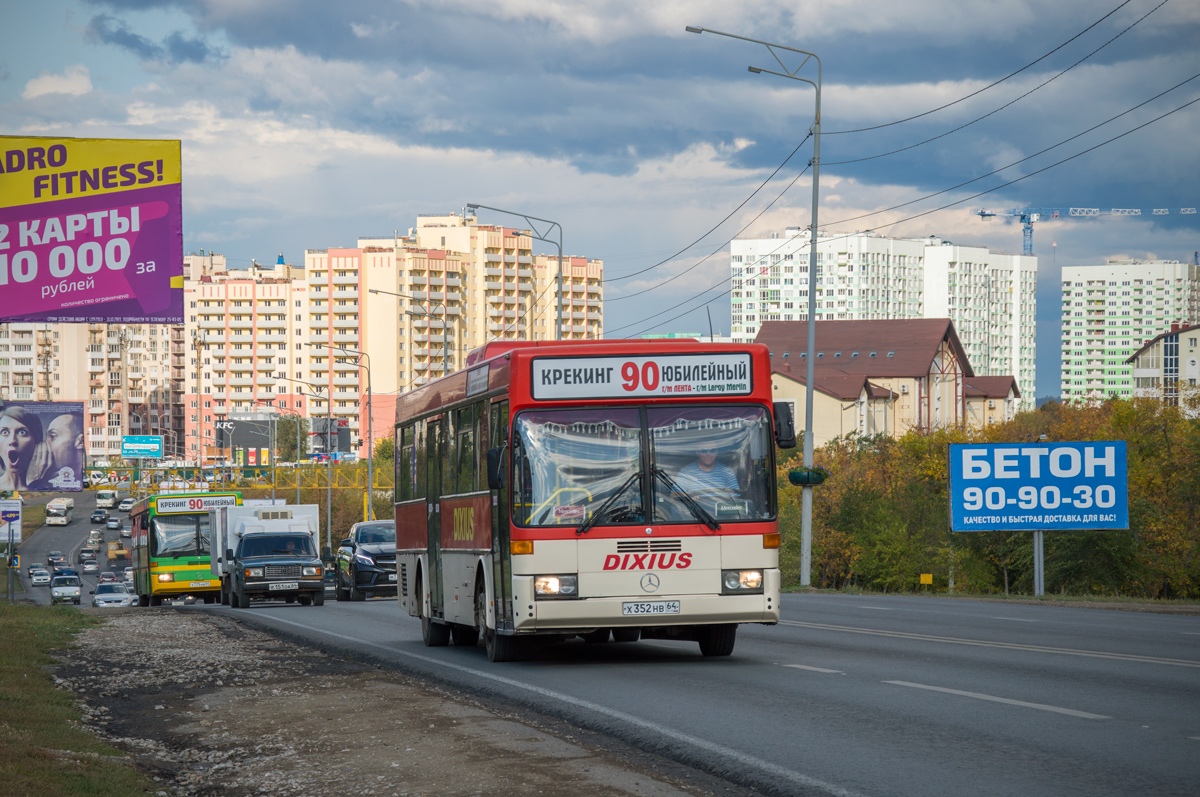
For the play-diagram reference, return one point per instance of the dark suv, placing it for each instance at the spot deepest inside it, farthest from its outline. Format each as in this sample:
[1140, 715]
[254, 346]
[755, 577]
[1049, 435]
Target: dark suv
[366, 561]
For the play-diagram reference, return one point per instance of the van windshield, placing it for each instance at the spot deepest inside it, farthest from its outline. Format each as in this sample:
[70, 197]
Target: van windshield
[65, 581]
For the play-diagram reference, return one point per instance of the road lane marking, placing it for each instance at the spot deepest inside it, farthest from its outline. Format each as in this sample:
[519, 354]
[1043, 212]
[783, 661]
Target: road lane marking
[813, 669]
[653, 727]
[877, 608]
[1190, 633]
[981, 643]
[1015, 619]
[1007, 701]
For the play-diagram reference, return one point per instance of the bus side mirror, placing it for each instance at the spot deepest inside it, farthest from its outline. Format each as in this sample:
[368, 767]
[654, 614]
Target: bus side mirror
[495, 468]
[785, 427]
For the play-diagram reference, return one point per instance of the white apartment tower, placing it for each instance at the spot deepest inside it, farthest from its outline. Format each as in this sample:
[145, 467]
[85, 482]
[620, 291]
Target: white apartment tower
[990, 296]
[1111, 311]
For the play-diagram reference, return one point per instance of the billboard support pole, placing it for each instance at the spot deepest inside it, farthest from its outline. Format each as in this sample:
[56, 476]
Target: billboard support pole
[12, 593]
[1039, 565]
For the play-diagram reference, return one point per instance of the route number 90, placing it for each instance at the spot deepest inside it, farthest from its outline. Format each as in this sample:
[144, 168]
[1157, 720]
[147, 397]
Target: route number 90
[646, 377]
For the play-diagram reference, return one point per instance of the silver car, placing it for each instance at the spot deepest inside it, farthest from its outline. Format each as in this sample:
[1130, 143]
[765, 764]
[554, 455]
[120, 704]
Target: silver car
[39, 578]
[112, 595]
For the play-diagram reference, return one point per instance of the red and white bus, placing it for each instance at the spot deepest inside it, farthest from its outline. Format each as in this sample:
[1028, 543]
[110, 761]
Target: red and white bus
[591, 488]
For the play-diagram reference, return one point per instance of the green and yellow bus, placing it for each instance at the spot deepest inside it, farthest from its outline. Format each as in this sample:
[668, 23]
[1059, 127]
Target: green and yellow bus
[171, 546]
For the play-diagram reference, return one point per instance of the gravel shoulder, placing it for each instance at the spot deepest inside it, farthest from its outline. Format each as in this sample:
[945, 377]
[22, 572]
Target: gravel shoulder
[209, 706]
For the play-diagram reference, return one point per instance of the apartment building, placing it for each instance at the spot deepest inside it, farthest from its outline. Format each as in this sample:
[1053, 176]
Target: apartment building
[990, 296]
[126, 376]
[1168, 368]
[1111, 311]
[244, 335]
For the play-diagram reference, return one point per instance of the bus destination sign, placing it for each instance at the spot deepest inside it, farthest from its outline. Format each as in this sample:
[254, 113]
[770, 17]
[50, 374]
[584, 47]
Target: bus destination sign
[559, 378]
[182, 504]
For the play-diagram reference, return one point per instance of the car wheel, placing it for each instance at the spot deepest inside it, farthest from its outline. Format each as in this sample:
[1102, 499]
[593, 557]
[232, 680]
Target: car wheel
[434, 635]
[356, 594]
[342, 594]
[243, 600]
[318, 598]
[717, 640]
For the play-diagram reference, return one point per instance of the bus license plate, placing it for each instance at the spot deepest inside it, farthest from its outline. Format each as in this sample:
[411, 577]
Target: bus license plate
[284, 585]
[651, 607]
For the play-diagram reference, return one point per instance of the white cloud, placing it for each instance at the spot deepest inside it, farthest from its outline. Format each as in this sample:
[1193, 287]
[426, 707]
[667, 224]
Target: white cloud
[75, 81]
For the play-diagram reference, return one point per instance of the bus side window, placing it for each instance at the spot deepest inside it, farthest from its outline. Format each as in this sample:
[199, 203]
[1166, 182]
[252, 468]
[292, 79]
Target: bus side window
[449, 451]
[419, 474]
[406, 465]
[464, 429]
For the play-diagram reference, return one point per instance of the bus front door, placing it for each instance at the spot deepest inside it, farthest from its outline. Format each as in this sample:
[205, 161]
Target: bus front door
[435, 440]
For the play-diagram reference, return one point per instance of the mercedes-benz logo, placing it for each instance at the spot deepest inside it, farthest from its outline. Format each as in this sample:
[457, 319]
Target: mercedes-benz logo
[650, 582]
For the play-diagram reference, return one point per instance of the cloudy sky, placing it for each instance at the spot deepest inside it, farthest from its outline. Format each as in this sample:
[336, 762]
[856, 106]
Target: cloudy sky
[306, 124]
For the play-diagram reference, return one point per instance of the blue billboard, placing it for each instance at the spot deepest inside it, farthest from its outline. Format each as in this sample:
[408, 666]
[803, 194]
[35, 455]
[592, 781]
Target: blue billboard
[141, 446]
[1038, 486]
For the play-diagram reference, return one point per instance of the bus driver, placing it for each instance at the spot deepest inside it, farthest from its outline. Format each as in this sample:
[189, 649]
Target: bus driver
[707, 475]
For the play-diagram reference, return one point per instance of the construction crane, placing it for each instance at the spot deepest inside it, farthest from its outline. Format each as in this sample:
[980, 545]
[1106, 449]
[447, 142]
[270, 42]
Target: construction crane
[1029, 216]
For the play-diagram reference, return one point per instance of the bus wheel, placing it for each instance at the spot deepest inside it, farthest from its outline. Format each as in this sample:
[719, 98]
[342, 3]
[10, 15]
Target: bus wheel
[499, 648]
[717, 640]
[434, 635]
[143, 600]
[465, 636]
[156, 600]
[597, 637]
[627, 634]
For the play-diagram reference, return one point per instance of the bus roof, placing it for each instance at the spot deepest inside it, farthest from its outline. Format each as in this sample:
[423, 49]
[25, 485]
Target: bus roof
[490, 366]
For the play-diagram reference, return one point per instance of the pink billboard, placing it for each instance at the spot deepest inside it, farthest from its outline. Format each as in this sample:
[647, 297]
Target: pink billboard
[91, 230]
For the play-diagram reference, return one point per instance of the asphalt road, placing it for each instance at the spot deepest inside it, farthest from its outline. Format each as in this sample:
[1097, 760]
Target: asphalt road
[68, 539]
[856, 695]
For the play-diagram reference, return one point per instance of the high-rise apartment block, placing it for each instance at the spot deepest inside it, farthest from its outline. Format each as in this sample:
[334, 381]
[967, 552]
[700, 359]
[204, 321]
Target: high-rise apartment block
[991, 297]
[126, 375]
[1111, 311]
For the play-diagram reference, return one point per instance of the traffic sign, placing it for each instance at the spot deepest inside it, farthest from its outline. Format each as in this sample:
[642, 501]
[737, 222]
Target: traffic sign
[8, 516]
[16, 561]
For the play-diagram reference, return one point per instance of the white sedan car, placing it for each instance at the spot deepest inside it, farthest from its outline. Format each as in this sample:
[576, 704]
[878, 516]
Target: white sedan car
[112, 595]
[125, 505]
[39, 578]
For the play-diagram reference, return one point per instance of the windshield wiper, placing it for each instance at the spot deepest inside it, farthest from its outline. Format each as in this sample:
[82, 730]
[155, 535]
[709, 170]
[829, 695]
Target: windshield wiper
[699, 512]
[595, 518]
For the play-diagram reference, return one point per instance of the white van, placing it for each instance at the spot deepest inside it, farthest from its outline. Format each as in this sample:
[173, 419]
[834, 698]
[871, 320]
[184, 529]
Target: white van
[106, 499]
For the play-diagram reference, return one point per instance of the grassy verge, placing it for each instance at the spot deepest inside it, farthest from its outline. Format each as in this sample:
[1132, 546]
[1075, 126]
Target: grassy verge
[43, 750]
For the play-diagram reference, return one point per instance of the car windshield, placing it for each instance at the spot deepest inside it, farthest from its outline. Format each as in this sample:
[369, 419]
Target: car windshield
[111, 589]
[713, 461]
[65, 581]
[278, 545]
[377, 532]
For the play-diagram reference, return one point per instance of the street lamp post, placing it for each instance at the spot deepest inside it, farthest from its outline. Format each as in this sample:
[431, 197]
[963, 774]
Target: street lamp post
[541, 236]
[806, 496]
[445, 354]
[329, 456]
[370, 424]
[275, 418]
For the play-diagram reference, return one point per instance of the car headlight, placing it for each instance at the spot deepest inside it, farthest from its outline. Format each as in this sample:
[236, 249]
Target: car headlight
[312, 570]
[741, 581]
[254, 572]
[564, 586]
[163, 577]
[363, 559]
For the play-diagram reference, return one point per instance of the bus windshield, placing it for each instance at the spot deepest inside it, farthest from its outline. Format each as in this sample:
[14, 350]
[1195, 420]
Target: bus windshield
[179, 535]
[56, 511]
[712, 461]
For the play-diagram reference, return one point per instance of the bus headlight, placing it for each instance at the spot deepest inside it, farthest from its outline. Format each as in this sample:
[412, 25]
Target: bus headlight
[741, 581]
[556, 586]
[312, 570]
[254, 572]
[164, 577]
